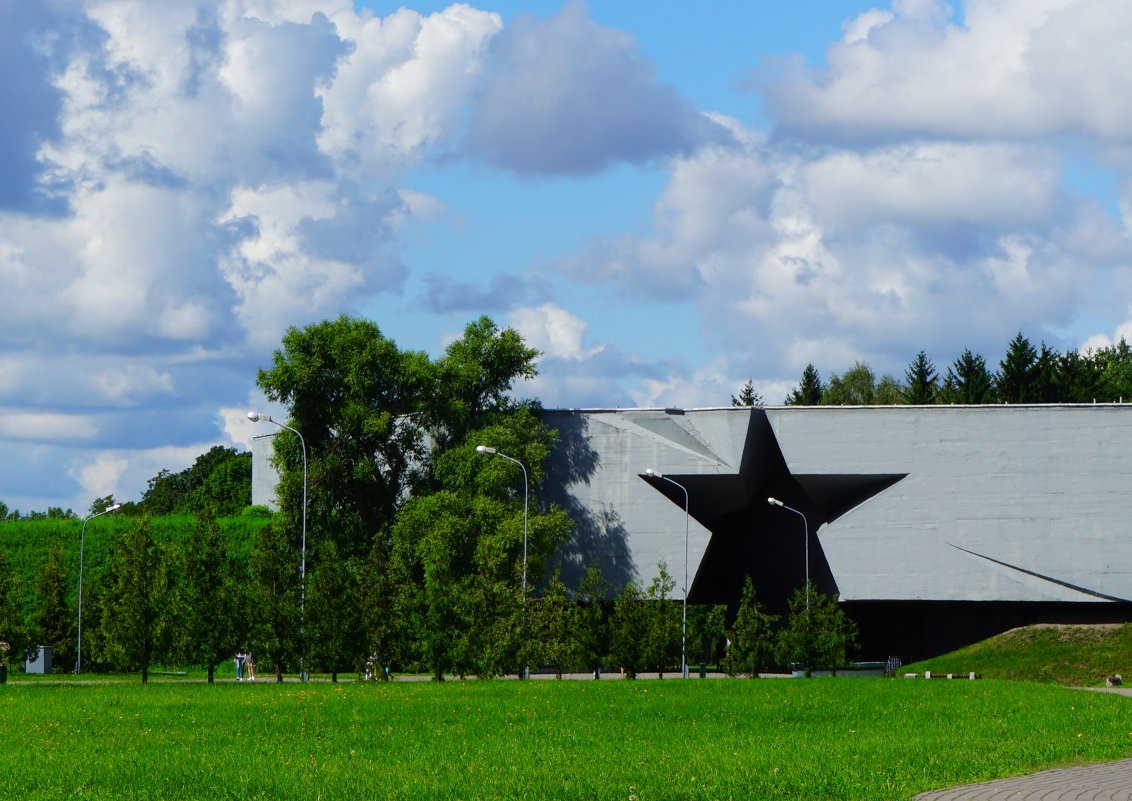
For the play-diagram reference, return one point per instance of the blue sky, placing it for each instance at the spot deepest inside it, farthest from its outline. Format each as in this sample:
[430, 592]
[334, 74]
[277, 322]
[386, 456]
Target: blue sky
[665, 200]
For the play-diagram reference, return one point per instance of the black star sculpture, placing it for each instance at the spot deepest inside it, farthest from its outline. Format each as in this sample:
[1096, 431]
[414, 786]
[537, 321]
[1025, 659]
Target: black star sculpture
[750, 537]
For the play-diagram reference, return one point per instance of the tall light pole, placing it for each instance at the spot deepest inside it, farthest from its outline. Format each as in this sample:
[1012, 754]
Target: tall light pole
[82, 547]
[806, 532]
[492, 451]
[255, 417]
[684, 622]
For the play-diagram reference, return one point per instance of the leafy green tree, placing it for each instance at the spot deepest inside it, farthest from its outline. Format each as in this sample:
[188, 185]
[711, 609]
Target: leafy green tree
[751, 637]
[334, 634]
[54, 620]
[275, 597]
[968, 381]
[554, 626]
[457, 552]
[593, 618]
[100, 505]
[138, 600]
[1115, 366]
[855, 387]
[219, 482]
[355, 397]
[164, 493]
[818, 634]
[13, 627]
[921, 381]
[211, 614]
[809, 391]
[1015, 380]
[889, 392]
[630, 618]
[662, 622]
[473, 380]
[748, 396]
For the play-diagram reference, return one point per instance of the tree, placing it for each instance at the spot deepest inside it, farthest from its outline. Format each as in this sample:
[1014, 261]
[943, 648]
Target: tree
[457, 552]
[629, 620]
[818, 634]
[707, 633]
[54, 619]
[856, 387]
[356, 399]
[662, 622]
[1114, 363]
[809, 392]
[211, 610]
[137, 602]
[554, 626]
[1015, 378]
[473, 380]
[219, 482]
[921, 381]
[889, 392]
[748, 396]
[593, 623]
[274, 597]
[751, 637]
[1078, 378]
[1047, 384]
[968, 381]
[335, 638]
[13, 628]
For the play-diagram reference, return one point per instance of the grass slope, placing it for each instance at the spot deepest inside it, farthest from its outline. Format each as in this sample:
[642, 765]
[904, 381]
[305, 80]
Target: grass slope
[1079, 656]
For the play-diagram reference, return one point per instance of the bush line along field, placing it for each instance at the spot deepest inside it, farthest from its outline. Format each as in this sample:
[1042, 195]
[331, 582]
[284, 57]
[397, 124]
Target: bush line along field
[784, 739]
[27, 542]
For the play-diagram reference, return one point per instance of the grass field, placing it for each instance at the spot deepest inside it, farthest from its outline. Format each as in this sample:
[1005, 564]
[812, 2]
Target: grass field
[773, 738]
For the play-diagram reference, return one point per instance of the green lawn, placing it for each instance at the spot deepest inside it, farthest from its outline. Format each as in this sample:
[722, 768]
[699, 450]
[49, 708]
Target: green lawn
[671, 739]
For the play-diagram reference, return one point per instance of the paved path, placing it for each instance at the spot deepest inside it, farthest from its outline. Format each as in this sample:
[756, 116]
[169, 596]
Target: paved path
[1109, 781]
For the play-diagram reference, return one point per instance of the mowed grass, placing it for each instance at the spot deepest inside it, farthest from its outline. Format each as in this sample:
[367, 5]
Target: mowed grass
[773, 738]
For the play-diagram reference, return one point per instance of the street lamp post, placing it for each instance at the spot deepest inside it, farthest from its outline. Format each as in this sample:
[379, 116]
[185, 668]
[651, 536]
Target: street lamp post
[806, 532]
[493, 452]
[684, 622]
[82, 547]
[255, 417]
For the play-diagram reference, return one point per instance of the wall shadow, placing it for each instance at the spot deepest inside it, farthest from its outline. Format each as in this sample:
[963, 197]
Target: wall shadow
[599, 537]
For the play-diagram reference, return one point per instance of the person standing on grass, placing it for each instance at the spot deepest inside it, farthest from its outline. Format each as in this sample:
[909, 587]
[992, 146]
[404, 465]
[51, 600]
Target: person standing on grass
[239, 660]
[250, 663]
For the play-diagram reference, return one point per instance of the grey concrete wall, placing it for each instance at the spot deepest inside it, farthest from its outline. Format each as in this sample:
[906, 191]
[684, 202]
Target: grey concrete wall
[946, 503]
[265, 479]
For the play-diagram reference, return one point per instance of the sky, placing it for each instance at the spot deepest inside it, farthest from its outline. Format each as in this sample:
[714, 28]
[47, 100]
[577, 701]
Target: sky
[667, 200]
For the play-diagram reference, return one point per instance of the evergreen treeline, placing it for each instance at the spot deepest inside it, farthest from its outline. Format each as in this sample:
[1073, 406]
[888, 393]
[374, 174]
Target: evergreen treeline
[182, 591]
[1026, 374]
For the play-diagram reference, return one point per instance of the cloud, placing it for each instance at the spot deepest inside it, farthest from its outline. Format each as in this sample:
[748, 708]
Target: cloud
[1007, 68]
[555, 332]
[442, 294]
[565, 95]
[833, 255]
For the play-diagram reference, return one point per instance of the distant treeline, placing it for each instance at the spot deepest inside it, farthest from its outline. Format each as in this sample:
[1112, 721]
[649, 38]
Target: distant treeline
[217, 484]
[1026, 374]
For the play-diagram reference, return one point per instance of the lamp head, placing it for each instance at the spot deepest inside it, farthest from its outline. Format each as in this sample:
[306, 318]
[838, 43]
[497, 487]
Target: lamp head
[113, 508]
[654, 473]
[774, 502]
[253, 416]
[484, 449]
